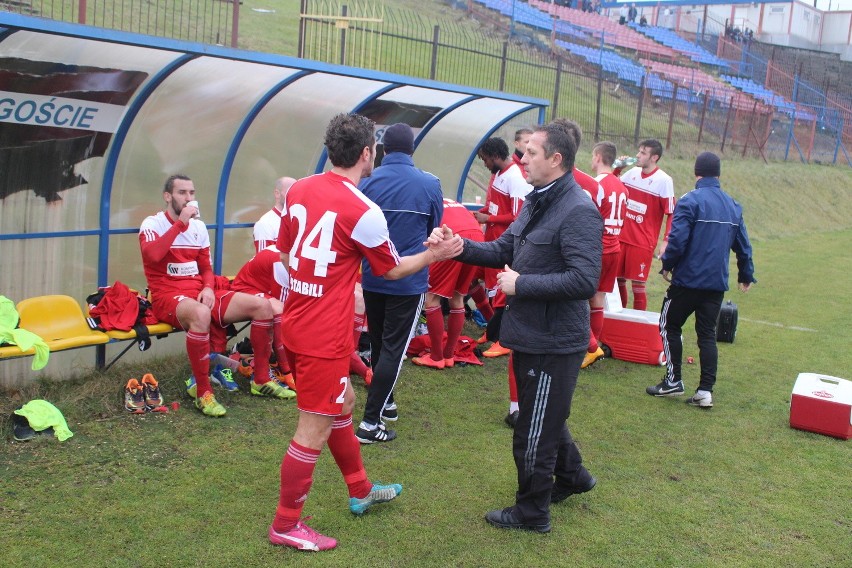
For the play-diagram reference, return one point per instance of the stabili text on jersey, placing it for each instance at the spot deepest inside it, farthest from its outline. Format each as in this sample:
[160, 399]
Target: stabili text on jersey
[306, 288]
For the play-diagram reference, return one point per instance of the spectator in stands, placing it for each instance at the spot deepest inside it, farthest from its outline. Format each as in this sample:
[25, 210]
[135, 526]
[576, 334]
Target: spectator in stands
[176, 257]
[643, 21]
[632, 13]
[266, 228]
[412, 203]
[623, 13]
[708, 225]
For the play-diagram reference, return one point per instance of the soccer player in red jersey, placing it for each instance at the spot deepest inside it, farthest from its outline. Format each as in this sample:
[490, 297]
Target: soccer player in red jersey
[522, 136]
[448, 279]
[651, 199]
[266, 229]
[329, 227]
[504, 199]
[611, 201]
[176, 258]
[266, 277]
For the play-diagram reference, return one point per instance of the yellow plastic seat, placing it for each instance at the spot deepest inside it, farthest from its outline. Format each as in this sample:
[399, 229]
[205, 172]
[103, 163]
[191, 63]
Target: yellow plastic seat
[154, 330]
[59, 321]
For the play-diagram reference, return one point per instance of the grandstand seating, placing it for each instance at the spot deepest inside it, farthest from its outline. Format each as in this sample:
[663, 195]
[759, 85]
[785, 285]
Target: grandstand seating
[768, 96]
[694, 51]
[612, 32]
[698, 81]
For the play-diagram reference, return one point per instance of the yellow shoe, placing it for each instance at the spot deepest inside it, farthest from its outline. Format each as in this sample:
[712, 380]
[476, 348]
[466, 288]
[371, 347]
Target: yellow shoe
[590, 358]
[272, 389]
[496, 350]
[209, 406]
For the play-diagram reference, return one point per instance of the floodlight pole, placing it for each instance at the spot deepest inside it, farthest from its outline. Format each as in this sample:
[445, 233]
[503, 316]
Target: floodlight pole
[512, 22]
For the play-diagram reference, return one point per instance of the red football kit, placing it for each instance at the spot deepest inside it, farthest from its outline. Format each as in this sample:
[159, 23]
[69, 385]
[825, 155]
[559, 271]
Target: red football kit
[263, 274]
[650, 198]
[328, 228]
[176, 260]
[448, 276]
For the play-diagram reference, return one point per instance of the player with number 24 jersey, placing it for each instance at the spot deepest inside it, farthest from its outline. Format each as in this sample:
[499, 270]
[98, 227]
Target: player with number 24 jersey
[328, 228]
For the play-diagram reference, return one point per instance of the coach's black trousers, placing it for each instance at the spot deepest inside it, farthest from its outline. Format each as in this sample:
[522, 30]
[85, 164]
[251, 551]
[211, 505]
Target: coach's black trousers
[391, 320]
[542, 445]
[678, 305]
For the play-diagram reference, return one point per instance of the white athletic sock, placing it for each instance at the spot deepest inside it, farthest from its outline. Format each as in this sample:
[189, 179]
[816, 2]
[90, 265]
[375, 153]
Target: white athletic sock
[513, 407]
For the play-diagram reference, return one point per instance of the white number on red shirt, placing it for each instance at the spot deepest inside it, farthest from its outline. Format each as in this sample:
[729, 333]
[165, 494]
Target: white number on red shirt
[317, 245]
[616, 210]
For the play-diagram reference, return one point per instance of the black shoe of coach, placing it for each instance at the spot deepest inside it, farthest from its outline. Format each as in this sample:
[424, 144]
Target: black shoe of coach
[506, 519]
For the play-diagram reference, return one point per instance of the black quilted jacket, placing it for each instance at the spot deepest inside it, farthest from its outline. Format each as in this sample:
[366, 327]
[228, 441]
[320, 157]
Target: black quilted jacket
[555, 246]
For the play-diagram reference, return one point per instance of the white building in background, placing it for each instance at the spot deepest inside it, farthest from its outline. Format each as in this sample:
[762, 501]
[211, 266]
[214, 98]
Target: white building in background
[793, 23]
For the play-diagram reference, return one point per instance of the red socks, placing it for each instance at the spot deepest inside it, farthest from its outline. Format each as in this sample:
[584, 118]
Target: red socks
[480, 298]
[346, 449]
[278, 344]
[596, 321]
[455, 322]
[513, 385]
[622, 291]
[640, 298]
[198, 351]
[297, 475]
[435, 325]
[260, 335]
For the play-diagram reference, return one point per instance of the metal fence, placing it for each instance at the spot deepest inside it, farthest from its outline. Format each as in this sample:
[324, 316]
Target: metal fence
[204, 21]
[483, 53]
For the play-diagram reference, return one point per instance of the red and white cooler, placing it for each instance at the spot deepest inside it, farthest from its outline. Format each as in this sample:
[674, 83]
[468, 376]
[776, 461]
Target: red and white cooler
[631, 335]
[822, 404]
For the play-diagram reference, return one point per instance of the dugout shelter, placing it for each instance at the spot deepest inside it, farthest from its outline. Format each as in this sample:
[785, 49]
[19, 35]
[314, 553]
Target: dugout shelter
[92, 121]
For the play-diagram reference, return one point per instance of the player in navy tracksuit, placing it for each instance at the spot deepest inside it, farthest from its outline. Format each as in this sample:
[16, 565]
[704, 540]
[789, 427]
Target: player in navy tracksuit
[707, 225]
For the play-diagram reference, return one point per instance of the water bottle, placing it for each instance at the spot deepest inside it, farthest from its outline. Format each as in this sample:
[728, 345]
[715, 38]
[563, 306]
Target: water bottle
[624, 162]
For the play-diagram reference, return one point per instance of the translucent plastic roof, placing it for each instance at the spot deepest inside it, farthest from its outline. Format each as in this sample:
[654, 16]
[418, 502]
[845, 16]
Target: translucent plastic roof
[232, 120]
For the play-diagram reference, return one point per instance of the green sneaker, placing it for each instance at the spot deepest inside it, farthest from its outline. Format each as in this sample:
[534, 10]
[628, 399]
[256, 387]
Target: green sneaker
[272, 389]
[378, 494]
[209, 406]
[190, 386]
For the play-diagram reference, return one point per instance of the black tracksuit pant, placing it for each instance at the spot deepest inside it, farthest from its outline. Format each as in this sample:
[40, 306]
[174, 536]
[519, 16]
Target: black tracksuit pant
[678, 305]
[542, 445]
[391, 320]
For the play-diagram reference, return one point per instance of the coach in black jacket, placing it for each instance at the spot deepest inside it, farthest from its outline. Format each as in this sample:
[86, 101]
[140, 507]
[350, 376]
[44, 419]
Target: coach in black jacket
[552, 255]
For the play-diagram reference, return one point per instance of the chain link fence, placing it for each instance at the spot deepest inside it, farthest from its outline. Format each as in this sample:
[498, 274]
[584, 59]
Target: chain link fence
[203, 21]
[482, 53]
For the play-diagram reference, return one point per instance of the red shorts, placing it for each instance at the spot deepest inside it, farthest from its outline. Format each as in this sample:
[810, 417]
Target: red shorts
[634, 263]
[321, 383]
[165, 307]
[609, 270]
[449, 276]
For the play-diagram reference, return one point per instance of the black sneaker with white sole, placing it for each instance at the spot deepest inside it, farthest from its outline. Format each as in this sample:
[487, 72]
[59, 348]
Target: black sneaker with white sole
[380, 434]
[666, 389]
[390, 414]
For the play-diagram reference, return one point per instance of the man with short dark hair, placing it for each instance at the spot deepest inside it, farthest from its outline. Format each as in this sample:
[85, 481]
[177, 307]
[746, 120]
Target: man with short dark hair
[651, 199]
[522, 136]
[176, 256]
[708, 224]
[551, 257]
[329, 227]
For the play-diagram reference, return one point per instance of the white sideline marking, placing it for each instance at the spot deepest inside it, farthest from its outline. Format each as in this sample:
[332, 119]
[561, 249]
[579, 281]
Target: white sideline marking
[793, 327]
